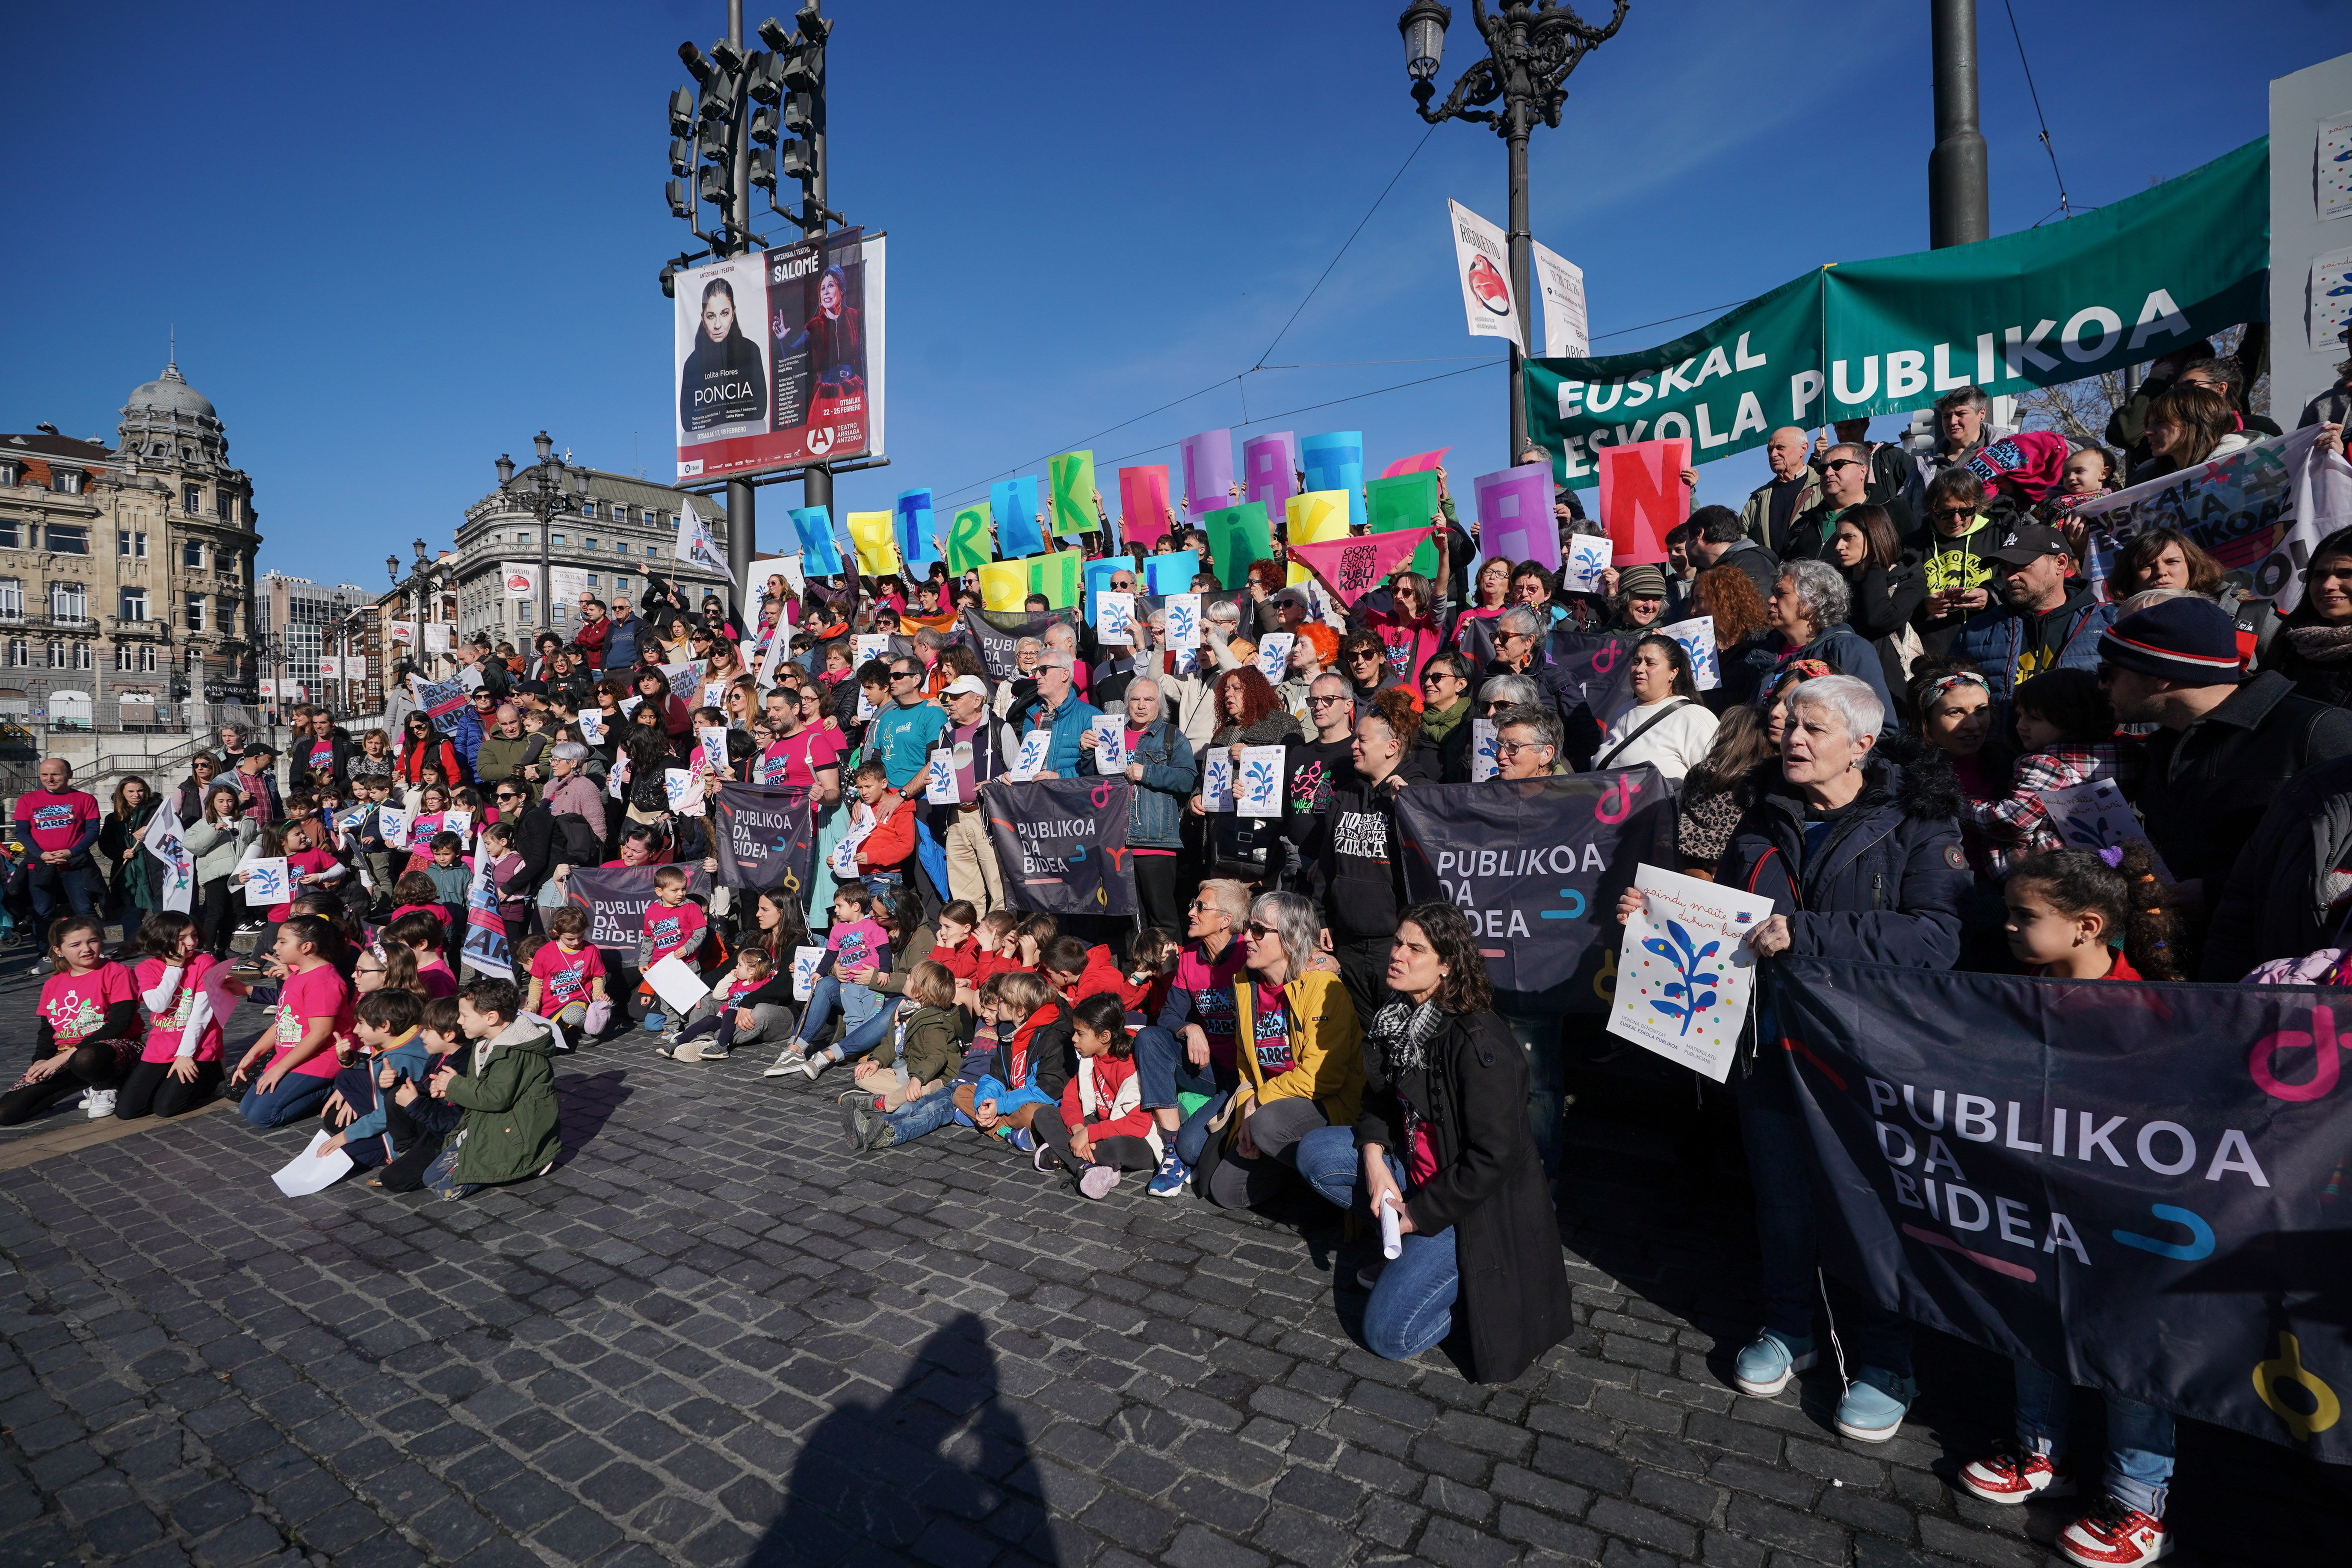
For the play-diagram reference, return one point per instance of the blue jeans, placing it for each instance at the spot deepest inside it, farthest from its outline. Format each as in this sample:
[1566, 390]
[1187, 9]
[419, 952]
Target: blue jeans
[929, 1114]
[298, 1095]
[1162, 1069]
[858, 1006]
[2139, 1437]
[44, 883]
[1780, 1167]
[1538, 1034]
[1412, 1307]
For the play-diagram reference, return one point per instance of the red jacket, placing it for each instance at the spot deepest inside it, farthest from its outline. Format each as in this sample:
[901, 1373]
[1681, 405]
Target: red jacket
[589, 639]
[1116, 1111]
[893, 838]
[1104, 977]
[438, 751]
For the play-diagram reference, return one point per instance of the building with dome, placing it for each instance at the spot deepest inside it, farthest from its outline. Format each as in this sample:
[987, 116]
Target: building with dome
[126, 574]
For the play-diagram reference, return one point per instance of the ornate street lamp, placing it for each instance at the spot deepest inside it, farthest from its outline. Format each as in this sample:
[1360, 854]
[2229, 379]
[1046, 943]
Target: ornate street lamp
[550, 489]
[1531, 50]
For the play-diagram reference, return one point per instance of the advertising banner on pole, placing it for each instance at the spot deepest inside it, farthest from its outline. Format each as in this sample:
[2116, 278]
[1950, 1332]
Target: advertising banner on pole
[779, 357]
[1561, 283]
[1482, 265]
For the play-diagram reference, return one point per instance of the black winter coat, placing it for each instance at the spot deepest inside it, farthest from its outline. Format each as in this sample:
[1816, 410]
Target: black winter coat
[2205, 788]
[2275, 903]
[1889, 880]
[1489, 1189]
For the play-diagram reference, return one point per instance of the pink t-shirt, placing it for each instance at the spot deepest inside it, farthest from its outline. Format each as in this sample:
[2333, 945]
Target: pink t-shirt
[164, 1028]
[298, 866]
[674, 928]
[55, 821]
[858, 944]
[795, 759]
[1211, 985]
[435, 977]
[317, 993]
[76, 1004]
[565, 977]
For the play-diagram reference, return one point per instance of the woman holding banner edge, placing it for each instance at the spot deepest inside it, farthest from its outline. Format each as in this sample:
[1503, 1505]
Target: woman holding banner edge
[1860, 853]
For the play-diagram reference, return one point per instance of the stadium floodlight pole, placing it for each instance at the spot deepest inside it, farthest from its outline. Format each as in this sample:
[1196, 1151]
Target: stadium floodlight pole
[1959, 204]
[1530, 52]
[546, 495]
[800, 81]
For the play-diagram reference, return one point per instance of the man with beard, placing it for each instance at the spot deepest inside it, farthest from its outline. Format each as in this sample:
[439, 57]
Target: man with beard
[724, 382]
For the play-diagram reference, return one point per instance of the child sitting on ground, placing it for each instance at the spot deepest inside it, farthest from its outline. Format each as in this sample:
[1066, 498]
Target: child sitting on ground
[994, 941]
[924, 1045]
[869, 1129]
[417, 1124]
[2068, 730]
[567, 974]
[388, 1025]
[1101, 1128]
[425, 932]
[856, 940]
[1036, 931]
[710, 1027]
[511, 1129]
[414, 894]
[674, 923]
[2074, 915]
[1026, 1073]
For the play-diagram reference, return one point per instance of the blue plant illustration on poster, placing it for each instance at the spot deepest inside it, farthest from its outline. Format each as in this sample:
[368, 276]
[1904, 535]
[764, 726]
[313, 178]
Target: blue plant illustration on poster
[1689, 1000]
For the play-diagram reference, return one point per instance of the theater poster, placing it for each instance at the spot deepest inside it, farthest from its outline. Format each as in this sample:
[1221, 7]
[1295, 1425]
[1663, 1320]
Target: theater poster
[779, 357]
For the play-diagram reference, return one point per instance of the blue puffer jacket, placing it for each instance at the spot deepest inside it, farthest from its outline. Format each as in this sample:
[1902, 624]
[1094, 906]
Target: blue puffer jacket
[1993, 640]
[1888, 880]
[1155, 808]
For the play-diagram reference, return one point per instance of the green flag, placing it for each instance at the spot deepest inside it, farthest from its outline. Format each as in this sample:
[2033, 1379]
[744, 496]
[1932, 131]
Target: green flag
[1072, 477]
[1237, 536]
[2118, 285]
[1408, 500]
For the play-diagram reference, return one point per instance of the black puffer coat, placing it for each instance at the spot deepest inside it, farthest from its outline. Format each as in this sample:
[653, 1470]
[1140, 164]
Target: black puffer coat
[1489, 1188]
[1888, 880]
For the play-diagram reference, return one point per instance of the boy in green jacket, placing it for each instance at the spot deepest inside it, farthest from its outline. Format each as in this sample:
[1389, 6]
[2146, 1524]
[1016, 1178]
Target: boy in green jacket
[510, 1127]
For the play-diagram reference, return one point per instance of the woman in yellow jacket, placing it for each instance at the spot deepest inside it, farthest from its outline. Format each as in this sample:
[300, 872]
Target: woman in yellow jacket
[1299, 1049]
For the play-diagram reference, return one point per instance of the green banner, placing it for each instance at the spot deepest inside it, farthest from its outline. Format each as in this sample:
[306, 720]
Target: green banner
[2118, 286]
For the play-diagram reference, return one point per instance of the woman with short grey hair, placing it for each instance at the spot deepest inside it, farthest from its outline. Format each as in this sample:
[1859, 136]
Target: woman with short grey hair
[1807, 612]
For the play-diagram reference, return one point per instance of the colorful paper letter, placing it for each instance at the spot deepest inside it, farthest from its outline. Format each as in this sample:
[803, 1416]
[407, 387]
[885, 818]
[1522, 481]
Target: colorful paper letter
[1208, 464]
[917, 543]
[820, 557]
[1270, 469]
[1335, 461]
[1419, 463]
[1143, 505]
[1004, 584]
[1642, 496]
[1096, 576]
[1515, 519]
[1056, 577]
[1408, 500]
[1237, 536]
[870, 535]
[1072, 476]
[970, 542]
[1171, 573]
[1015, 503]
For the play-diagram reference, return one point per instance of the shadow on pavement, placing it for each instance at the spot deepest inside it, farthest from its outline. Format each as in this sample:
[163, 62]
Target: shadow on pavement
[940, 1467]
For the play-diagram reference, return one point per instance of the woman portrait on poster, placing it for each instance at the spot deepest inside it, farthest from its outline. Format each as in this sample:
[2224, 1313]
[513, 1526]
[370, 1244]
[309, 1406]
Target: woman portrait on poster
[725, 380]
[837, 337]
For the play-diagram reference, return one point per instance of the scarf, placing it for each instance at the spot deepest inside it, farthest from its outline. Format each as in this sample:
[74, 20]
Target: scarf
[1402, 1033]
[2322, 643]
[1439, 722]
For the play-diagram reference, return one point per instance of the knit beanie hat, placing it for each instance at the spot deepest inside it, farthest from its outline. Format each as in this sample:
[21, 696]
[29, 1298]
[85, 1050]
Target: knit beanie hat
[2188, 639]
[1642, 581]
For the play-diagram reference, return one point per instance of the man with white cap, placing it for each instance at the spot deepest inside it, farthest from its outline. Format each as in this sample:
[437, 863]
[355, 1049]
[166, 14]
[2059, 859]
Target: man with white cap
[974, 738]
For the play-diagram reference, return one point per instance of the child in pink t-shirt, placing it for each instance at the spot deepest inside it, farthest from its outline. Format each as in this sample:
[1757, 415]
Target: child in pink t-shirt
[181, 1066]
[567, 976]
[674, 923]
[87, 1027]
[314, 1007]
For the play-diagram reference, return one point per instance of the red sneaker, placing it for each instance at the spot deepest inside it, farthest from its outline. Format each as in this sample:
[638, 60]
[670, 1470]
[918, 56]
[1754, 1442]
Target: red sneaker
[2115, 1535]
[2011, 1476]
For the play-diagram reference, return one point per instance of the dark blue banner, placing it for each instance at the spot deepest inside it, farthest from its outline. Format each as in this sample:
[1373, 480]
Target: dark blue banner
[2139, 1187]
[1062, 844]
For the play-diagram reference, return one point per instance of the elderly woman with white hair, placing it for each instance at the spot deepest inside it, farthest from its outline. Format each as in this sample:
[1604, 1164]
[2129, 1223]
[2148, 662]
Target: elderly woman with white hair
[1808, 611]
[1860, 853]
[1519, 634]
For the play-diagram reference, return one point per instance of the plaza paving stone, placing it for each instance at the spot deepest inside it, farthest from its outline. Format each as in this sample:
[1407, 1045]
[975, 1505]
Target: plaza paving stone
[711, 1337]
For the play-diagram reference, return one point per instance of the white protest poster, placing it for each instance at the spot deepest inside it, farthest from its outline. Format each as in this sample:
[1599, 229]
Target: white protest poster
[1483, 758]
[1184, 621]
[1561, 283]
[677, 984]
[684, 679]
[1034, 748]
[1258, 785]
[458, 820]
[164, 840]
[2331, 299]
[2097, 816]
[629, 705]
[1587, 558]
[1482, 264]
[683, 786]
[940, 780]
[1115, 619]
[713, 693]
[591, 726]
[1110, 743]
[872, 645]
[843, 861]
[617, 780]
[437, 637]
[866, 708]
[312, 1171]
[804, 963]
[712, 747]
[1274, 656]
[1684, 973]
[1217, 780]
[470, 677]
[266, 881]
[1697, 638]
[391, 827]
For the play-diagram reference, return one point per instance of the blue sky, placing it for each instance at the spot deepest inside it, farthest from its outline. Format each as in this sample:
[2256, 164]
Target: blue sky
[392, 253]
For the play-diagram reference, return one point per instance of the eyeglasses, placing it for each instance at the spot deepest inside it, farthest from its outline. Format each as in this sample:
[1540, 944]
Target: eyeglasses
[902, 675]
[1324, 701]
[1836, 463]
[1362, 655]
[1953, 512]
[1255, 929]
[1513, 748]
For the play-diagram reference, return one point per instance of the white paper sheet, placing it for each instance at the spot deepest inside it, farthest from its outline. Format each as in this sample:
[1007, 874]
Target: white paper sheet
[1110, 743]
[1684, 973]
[1588, 557]
[1258, 785]
[311, 1172]
[1217, 780]
[677, 984]
[266, 881]
[1034, 747]
[1274, 656]
[1183, 624]
[1115, 619]
[1697, 638]
[1483, 758]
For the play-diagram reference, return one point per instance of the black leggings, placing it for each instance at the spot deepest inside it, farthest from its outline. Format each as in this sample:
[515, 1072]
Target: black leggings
[217, 904]
[419, 1147]
[92, 1065]
[1121, 1153]
[1155, 891]
[149, 1088]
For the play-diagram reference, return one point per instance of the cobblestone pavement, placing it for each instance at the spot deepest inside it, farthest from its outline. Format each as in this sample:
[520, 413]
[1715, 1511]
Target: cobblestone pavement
[709, 1337]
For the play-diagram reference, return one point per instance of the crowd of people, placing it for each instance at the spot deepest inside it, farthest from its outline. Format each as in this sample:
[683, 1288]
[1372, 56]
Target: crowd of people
[1911, 659]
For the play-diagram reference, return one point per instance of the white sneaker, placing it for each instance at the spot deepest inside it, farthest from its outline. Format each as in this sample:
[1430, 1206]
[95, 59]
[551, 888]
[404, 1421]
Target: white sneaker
[97, 1103]
[788, 1060]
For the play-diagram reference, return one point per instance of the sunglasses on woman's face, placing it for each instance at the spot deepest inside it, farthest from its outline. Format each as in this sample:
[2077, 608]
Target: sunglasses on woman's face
[1255, 930]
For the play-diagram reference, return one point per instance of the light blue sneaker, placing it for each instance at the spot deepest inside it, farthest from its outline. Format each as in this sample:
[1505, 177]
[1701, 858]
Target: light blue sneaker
[1764, 1366]
[1173, 1175]
[1874, 1405]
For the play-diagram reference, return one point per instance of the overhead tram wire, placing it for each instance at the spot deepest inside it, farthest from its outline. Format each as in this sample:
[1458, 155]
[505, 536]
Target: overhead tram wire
[2035, 94]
